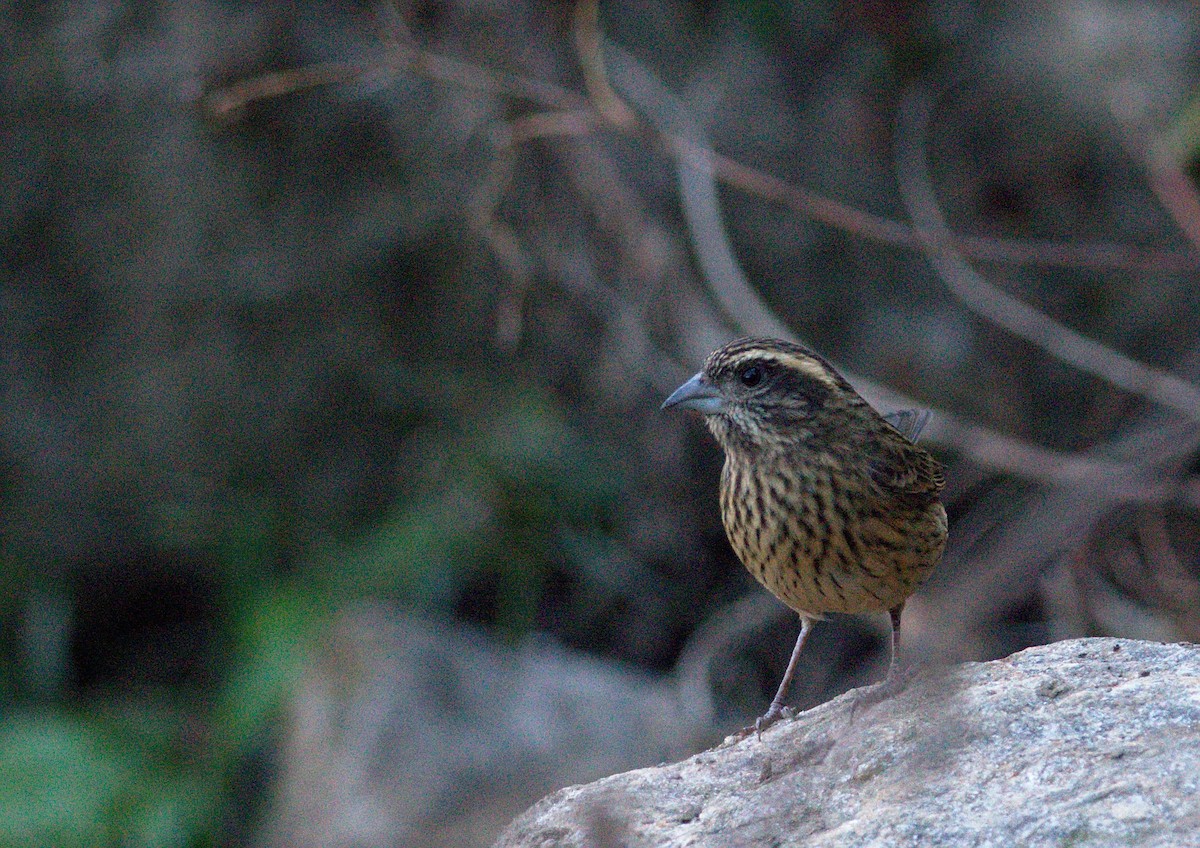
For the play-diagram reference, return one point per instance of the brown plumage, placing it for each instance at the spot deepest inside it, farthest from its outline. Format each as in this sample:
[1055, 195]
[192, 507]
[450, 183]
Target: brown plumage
[829, 504]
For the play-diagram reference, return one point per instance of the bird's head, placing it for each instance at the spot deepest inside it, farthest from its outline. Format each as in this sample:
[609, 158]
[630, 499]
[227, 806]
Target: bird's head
[761, 393]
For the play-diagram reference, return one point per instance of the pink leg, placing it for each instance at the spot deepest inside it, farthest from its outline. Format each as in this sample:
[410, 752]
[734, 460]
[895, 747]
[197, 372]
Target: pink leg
[775, 711]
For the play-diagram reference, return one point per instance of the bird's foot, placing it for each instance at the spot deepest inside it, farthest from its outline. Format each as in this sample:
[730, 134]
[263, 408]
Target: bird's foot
[895, 683]
[772, 715]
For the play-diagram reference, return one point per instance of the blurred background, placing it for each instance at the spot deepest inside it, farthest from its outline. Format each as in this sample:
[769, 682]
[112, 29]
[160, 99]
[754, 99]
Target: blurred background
[337, 503]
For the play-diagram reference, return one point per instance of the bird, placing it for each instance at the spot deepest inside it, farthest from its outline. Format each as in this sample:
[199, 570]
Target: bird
[829, 504]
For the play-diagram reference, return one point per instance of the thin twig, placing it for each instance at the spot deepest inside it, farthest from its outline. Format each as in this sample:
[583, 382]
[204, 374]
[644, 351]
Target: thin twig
[591, 60]
[1095, 256]
[1001, 308]
[710, 241]
[226, 105]
[992, 449]
[502, 238]
[1154, 442]
[746, 307]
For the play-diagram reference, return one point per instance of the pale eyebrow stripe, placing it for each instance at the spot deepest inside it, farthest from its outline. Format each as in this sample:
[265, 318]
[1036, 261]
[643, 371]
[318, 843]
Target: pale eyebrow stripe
[804, 365]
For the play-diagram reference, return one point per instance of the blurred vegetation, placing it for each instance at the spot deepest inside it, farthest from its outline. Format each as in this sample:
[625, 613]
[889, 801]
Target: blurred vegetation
[379, 334]
[143, 756]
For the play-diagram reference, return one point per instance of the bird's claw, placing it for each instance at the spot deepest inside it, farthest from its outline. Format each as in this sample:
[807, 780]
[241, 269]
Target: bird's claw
[774, 714]
[895, 683]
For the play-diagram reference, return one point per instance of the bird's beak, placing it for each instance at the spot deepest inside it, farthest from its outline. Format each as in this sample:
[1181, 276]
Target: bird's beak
[698, 394]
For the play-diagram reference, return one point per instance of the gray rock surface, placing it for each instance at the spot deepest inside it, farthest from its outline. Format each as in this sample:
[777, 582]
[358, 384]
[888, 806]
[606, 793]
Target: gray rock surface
[1082, 742]
[410, 732]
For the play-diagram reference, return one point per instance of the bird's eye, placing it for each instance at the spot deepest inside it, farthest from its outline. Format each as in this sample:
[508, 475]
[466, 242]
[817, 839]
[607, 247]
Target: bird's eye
[751, 375]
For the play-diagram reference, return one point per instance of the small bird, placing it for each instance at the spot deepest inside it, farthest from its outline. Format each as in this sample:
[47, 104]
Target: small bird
[829, 504]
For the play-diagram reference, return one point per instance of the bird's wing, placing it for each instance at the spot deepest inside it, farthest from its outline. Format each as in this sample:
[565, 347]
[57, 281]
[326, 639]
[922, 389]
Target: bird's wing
[910, 422]
[902, 468]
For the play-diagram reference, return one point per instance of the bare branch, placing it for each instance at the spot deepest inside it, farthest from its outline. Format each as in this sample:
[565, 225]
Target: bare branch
[500, 237]
[591, 60]
[699, 167]
[749, 311]
[1001, 308]
[226, 105]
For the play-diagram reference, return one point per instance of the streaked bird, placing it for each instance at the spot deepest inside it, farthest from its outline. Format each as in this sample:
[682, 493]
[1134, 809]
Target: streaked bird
[829, 504]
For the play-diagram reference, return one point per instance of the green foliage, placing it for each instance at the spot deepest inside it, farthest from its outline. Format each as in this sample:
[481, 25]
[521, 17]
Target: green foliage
[271, 638]
[62, 778]
[123, 770]
[503, 490]
[504, 487]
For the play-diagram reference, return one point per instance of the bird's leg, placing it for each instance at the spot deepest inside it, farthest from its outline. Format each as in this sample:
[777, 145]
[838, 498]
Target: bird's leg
[898, 673]
[776, 708]
[894, 613]
[775, 711]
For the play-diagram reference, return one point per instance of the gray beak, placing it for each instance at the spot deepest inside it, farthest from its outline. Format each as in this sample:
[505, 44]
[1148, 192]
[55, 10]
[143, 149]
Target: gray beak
[698, 394]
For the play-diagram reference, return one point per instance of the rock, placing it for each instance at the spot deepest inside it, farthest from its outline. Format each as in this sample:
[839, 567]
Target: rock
[411, 732]
[1082, 742]
[407, 731]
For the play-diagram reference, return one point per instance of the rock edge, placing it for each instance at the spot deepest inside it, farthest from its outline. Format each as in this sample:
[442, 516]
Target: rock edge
[1082, 742]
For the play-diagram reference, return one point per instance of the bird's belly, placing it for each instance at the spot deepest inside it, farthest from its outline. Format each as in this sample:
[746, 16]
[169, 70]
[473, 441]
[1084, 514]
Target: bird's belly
[817, 559]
